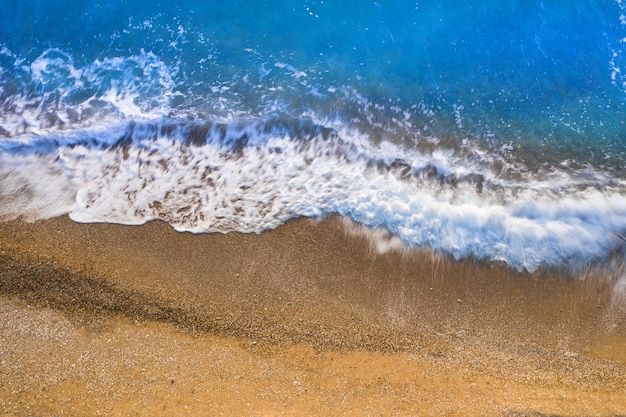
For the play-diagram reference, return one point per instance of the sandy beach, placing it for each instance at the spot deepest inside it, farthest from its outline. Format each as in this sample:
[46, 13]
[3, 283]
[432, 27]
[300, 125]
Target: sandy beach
[308, 319]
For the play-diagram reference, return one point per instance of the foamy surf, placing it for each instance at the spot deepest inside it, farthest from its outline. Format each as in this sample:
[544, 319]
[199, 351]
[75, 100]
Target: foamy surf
[251, 176]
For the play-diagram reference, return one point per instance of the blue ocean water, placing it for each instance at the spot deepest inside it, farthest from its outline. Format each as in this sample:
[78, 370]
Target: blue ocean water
[489, 129]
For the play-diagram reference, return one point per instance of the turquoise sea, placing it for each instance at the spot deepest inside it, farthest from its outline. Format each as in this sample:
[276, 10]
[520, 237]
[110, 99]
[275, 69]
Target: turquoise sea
[492, 130]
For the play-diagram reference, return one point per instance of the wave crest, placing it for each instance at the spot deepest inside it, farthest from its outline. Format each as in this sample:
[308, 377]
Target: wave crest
[253, 175]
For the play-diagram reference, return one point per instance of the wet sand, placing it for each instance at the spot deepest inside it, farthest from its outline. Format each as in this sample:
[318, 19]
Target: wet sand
[101, 319]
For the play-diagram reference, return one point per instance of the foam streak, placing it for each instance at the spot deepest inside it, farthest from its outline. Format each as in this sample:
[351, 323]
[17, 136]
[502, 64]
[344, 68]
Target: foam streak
[253, 176]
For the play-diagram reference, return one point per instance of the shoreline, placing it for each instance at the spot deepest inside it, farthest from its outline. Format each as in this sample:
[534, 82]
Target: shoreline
[311, 297]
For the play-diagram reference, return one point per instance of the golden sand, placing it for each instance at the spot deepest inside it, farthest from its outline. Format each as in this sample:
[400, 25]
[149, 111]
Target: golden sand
[303, 320]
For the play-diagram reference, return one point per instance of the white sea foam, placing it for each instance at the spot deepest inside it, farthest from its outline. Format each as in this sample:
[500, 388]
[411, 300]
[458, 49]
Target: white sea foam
[253, 176]
[103, 143]
[56, 93]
